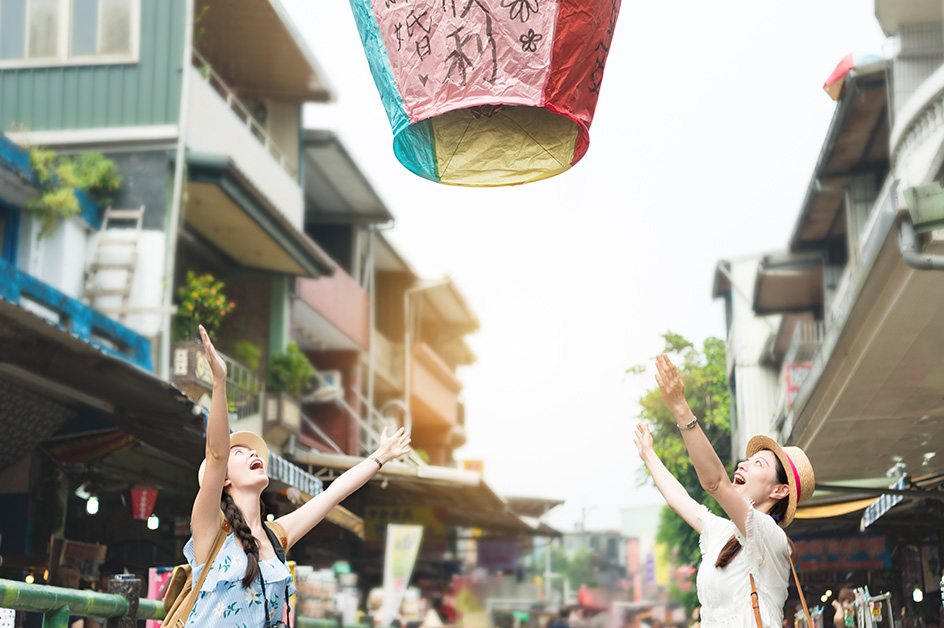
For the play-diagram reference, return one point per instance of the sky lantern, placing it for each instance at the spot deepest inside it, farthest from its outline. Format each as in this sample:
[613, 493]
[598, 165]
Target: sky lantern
[487, 92]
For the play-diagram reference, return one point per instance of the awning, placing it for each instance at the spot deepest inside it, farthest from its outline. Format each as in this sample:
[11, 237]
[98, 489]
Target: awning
[882, 505]
[833, 510]
[281, 470]
[278, 65]
[467, 500]
[227, 212]
[788, 282]
[55, 367]
[336, 191]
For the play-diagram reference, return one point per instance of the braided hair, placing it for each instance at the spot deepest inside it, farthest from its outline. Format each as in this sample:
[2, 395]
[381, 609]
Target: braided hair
[235, 518]
[732, 547]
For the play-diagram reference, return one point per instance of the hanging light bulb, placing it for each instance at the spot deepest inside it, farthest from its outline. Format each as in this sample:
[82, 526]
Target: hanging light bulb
[153, 522]
[270, 517]
[918, 595]
[91, 506]
[29, 578]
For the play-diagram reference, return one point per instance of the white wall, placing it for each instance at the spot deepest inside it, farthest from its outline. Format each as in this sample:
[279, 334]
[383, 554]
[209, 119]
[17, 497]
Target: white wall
[215, 128]
[757, 385]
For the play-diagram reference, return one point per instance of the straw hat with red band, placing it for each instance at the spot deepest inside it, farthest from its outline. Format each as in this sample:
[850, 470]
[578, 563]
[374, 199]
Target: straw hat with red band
[241, 439]
[800, 476]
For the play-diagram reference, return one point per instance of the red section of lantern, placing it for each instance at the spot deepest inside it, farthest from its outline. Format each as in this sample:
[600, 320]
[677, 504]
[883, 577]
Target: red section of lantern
[143, 498]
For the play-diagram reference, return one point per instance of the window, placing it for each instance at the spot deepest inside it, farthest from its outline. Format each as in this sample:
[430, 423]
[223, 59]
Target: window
[68, 31]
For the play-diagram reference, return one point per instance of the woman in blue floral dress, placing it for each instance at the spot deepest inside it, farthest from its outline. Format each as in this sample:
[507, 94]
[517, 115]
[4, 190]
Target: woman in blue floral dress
[232, 478]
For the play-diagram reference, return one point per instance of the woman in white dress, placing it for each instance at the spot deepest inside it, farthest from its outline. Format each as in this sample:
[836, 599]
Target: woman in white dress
[760, 501]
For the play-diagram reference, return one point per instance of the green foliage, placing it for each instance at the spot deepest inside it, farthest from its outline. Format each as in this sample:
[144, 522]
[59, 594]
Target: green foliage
[706, 389]
[59, 177]
[580, 569]
[200, 302]
[247, 353]
[290, 371]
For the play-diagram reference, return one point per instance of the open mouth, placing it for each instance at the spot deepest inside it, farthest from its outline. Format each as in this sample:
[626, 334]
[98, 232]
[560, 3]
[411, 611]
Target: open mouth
[256, 464]
[738, 480]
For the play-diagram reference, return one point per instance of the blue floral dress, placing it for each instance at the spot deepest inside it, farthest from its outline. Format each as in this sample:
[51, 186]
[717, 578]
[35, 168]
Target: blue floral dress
[224, 603]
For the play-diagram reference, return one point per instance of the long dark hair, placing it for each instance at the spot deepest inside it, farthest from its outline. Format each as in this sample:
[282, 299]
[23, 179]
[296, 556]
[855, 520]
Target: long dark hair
[235, 518]
[732, 547]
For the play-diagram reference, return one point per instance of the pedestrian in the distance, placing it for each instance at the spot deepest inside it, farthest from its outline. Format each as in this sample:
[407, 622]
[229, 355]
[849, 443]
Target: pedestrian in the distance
[760, 501]
[232, 478]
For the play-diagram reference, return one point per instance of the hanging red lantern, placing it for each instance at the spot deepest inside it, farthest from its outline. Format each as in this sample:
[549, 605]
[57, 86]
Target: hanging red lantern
[143, 498]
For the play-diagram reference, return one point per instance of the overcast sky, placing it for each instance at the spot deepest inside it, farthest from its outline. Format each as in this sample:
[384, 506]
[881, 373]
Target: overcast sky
[710, 119]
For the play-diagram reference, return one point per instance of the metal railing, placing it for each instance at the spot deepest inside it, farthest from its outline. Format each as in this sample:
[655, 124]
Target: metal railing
[56, 604]
[244, 391]
[242, 112]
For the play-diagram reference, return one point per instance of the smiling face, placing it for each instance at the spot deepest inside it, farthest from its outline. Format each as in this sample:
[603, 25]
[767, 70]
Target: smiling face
[756, 480]
[245, 469]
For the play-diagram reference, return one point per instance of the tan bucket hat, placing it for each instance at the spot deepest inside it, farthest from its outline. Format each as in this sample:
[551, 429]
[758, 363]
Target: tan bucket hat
[800, 476]
[242, 439]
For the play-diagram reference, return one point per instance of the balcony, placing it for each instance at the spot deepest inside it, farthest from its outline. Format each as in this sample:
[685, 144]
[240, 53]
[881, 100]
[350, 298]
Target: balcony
[222, 125]
[434, 391]
[332, 313]
[83, 322]
[388, 364]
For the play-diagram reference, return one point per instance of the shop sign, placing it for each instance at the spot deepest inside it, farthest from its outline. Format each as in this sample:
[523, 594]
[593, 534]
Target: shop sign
[843, 553]
[432, 520]
[498, 555]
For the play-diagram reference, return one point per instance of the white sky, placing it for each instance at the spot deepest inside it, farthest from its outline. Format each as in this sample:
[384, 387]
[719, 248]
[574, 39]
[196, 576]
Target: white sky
[709, 123]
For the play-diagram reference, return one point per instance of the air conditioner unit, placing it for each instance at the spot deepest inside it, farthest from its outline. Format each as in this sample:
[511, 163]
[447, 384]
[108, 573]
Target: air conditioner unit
[328, 387]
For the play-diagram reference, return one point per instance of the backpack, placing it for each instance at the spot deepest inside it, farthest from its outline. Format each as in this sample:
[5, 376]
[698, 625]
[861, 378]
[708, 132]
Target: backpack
[180, 594]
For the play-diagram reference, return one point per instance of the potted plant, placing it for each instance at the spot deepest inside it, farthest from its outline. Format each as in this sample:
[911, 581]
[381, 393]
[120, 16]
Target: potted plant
[200, 301]
[290, 372]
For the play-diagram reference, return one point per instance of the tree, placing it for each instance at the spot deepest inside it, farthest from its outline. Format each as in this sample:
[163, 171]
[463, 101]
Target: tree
[706, 389]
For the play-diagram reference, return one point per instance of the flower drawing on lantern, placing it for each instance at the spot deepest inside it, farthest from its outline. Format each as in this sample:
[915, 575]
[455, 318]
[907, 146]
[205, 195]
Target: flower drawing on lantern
[520, 9]
[529, 42]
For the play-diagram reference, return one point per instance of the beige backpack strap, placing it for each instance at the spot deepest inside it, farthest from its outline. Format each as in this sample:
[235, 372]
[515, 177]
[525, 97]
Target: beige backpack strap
[221, 535]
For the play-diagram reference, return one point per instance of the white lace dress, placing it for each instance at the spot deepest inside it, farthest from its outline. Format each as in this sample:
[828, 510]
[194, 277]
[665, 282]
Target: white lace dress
[725, 594]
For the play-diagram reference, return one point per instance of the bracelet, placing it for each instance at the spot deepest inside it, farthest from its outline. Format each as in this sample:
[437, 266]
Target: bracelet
[690, 425]
[377, 460]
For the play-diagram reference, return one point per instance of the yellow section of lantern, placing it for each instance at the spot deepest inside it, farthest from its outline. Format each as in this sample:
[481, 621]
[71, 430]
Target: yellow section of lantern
[502, 145]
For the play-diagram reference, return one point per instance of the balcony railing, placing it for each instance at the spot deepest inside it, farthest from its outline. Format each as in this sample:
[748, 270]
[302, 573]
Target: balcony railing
[242, 112]
[388, 360]
[244, 391]
[73, 316]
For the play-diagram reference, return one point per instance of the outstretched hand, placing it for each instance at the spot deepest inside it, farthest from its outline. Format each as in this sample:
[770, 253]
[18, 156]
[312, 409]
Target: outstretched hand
[217, 365]
[643, 439]
[671, 387]
[393, 446]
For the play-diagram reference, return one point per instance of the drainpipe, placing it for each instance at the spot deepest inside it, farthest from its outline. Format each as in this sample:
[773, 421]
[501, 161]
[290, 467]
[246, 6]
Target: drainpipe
[911, 249]
[173, 221]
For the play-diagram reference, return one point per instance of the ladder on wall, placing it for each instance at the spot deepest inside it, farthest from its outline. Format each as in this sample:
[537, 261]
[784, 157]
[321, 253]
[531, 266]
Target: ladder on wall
[115, 253]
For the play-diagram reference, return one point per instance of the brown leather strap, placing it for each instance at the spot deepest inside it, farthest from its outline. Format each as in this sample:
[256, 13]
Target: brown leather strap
[806, 610]
[754, 603]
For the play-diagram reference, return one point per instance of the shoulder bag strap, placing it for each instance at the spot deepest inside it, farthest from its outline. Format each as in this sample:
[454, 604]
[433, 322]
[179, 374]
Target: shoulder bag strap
[806, 610]
[755, 604]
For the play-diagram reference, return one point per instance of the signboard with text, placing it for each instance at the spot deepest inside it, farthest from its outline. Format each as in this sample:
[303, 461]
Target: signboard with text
[843, 553]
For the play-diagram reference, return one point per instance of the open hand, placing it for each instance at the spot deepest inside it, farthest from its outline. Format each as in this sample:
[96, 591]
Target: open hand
[643, 439]
[217, 365]
[671, 387]
[393, 446]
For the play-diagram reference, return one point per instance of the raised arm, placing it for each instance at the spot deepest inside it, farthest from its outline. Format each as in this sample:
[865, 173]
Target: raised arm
[205, 518]
[711, 473]
[672, 490]
[299, 522]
